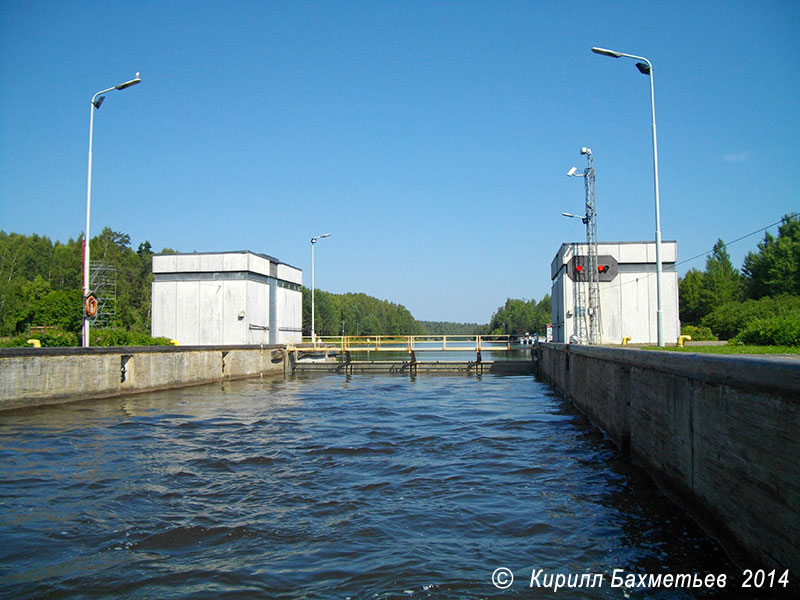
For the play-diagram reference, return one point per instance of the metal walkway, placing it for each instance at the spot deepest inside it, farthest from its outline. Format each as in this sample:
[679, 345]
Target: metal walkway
[333, 354]
[408, 343]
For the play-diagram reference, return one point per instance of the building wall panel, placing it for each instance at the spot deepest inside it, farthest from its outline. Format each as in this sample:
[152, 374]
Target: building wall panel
[224, 298]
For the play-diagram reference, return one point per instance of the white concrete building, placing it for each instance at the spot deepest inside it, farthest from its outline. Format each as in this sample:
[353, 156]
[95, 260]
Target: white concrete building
[628, 298]
[226, 298]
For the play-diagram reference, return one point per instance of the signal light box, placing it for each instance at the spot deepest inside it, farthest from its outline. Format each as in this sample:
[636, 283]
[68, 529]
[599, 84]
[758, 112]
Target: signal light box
[580, 268]
[627, 292]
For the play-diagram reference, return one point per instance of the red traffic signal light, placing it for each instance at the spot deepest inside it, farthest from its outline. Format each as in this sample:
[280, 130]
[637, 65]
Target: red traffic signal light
[602, 268]
[579, 268]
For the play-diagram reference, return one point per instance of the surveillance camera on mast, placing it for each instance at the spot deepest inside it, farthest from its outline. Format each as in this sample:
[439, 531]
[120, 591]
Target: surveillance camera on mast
[586, 151]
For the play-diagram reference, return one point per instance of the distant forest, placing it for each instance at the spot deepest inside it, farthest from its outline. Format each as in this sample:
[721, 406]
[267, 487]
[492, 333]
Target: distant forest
[515, 317]
[451, 328]
[40, 288]
[356, 314]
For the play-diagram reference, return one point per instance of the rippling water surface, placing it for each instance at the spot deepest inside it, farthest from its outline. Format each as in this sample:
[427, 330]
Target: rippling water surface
[326, 488]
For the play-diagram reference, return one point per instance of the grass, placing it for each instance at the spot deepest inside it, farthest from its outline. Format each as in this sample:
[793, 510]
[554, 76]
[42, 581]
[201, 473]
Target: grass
[730, 349]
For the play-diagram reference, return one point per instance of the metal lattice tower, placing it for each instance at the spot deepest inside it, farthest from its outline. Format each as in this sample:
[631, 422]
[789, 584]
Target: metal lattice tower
[591, 243]
[103, 284]
[582, 307]
[580, 303]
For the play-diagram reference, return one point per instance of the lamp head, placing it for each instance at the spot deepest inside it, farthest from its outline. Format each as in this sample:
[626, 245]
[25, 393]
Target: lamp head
[570, 173]
[586, 151]
[644, 68]
[98, 102]
[128, 84]
[605, 52]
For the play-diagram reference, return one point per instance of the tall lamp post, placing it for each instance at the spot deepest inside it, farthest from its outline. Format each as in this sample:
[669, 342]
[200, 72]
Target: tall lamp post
[313, 243]
[646, 68]
[97, 100]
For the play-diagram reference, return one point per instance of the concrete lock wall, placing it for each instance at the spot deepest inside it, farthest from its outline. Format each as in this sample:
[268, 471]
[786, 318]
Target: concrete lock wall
[35, 376]
[718, 433]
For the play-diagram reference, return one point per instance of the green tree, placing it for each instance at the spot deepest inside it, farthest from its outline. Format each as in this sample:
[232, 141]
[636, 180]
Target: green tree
[66, 267]
[371, 325]
[360, 313]
[452, 328]
[20, 303]
[133, 277]
[727, 320]
[721, 281]
[24, 257]
[775, 268]
[690, 292]
[518, 317]
[61, 309]
[701, 293]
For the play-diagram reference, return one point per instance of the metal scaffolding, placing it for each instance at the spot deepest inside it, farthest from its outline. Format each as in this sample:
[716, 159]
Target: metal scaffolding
[103, 283]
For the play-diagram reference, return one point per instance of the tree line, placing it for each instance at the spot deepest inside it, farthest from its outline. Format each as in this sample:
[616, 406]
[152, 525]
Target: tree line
[453, 328]
[356, 314]
[42, 282]
[759, 304]
[40, 286]
[520, 317]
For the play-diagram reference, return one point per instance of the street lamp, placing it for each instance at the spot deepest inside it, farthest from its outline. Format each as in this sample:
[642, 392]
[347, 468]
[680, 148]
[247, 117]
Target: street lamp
[97, 100]
[646, 68]
[313, 243]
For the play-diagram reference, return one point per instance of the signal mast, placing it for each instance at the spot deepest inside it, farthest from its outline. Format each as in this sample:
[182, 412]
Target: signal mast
[590, 220]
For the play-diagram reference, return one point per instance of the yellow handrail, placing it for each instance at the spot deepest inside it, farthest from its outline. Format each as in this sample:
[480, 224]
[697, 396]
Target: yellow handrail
[410, 343]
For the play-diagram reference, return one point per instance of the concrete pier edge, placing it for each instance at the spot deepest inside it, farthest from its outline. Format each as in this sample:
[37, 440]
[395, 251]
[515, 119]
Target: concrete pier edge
[36, 376]
[718, 434]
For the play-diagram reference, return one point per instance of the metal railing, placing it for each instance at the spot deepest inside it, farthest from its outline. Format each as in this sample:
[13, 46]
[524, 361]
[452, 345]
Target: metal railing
[409, 343]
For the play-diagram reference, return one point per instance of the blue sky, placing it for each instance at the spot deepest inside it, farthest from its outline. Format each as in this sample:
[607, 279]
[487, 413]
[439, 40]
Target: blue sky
[430, 138]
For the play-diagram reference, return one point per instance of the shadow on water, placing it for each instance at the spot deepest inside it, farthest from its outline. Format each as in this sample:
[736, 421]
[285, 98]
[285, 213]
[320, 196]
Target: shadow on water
[331, 487]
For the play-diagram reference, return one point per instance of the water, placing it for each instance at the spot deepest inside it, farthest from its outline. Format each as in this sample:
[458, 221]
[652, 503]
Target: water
[330, 488]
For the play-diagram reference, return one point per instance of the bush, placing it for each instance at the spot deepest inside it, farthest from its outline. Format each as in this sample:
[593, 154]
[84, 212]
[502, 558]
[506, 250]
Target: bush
[775, 331]
[121, 337]
[97, 337]
[698, 333]
[57, 338]
[728, 320]
[48, 339]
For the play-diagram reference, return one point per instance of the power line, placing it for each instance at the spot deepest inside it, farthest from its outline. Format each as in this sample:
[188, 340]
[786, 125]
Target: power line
[645, 276]
[790, 216]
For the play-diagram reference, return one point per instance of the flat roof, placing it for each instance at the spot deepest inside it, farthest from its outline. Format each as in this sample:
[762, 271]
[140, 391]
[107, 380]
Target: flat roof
[261, 254]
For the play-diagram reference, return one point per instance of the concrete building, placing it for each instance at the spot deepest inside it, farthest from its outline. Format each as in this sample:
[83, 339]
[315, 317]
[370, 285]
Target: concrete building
[627, 291]
[226, 298]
